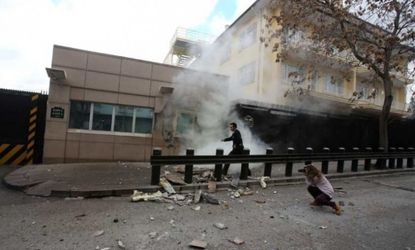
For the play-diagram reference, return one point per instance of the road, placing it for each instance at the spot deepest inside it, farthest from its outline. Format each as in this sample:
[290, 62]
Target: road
[378, 214]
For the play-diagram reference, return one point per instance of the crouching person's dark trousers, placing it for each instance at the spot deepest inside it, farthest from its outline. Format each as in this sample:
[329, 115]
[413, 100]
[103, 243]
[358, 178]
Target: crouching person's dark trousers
[320, 198]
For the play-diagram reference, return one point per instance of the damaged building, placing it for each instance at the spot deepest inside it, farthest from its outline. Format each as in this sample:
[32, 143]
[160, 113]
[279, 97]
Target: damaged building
[106, 108]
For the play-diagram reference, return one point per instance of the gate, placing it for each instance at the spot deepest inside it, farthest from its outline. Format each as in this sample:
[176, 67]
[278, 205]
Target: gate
[22, 127]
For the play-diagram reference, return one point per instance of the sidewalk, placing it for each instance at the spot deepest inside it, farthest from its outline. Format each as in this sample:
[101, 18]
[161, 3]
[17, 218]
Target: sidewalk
[121, 178]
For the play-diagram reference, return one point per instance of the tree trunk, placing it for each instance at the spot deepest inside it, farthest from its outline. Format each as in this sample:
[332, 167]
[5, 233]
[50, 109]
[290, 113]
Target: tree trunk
[384, 116]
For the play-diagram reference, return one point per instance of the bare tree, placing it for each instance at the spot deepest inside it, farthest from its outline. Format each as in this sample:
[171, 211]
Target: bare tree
[376, 34]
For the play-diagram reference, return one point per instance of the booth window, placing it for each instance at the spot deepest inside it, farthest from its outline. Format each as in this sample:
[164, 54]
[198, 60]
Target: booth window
[102, 118]
[112, 118]
[143, 120]
[185, 123]
[79, 115]
[124, 119]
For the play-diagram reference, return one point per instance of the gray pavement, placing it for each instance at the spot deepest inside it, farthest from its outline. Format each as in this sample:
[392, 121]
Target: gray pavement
[378, 214]
[122, 178]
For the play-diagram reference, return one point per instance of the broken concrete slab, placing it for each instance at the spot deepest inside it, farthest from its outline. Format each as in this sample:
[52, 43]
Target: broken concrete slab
[211, 186]
[197, 196]
[210, 199]
[198, 244]
[167, 186]
[220, 226]
[175, 179]
[237, 241]
[140, 196]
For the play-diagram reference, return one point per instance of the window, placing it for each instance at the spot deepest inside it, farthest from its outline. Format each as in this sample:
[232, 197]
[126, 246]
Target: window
[124, 119]
[293, 74]
[79, 115]
[333, 85]
[113, 118]
[143, 120]
[102, 118]
[184, 123]
[247, 37]
[246, 74]
[225, 52]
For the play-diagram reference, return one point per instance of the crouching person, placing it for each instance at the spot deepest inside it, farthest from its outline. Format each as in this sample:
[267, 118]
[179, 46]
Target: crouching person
[320, 188]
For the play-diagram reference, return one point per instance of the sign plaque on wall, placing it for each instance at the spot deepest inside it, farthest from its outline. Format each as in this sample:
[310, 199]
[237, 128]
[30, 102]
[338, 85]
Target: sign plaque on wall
[57, 112]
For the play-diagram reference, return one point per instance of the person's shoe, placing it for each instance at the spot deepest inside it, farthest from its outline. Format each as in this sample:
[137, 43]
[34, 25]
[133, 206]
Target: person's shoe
[337, 210]
[314, 203]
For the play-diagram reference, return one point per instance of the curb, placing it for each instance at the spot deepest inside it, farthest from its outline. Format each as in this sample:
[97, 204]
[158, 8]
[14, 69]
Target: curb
[220, 186]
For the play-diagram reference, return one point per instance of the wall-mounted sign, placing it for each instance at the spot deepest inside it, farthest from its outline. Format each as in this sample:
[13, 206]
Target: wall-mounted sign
[57, 112]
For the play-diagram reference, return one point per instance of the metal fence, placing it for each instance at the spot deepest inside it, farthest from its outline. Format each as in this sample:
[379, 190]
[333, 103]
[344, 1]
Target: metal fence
[396, 158]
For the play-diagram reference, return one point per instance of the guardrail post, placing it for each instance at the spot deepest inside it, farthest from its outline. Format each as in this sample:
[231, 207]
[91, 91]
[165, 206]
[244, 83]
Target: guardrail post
[367, 160]
[399, 160]
[289, 165]
[391, 164]
[188, 170]
[244, 167]
[268, 165]
[340, 163]
[218, 166]
[381, 163]
[410, 160]
[355, 162]
[155, 169]
[309, 151]
[325, 163]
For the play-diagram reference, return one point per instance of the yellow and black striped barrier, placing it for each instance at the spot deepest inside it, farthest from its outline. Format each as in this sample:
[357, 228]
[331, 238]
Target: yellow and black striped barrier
[30, 144]
[12, 154]
[21, 154]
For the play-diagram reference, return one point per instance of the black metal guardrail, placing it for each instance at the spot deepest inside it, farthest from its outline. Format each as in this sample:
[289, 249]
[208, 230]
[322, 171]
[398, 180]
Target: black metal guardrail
[392, 159]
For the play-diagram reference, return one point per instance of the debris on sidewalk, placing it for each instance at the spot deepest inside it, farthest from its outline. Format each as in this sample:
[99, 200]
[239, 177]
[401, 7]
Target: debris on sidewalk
[237, 241]
[167, 186]
[197, 196]
[170, 208]
[98, 233]
[120, 244]
[210, 199]
[74, 198]
[262, 181]
[322, 227]
[175, 179]
[260, 201]
[196, 208]
[235, 180]
[152, 235]
[211, 186]
[225, 204]
[140, 196]
[247, 191]
[198, 244]
[220, 226]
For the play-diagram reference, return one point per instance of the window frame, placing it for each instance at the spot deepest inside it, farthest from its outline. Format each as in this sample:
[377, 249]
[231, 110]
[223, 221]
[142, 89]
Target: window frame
[112, 131]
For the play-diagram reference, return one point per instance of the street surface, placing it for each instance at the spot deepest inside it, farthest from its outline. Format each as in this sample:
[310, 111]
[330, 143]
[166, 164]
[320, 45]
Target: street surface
[378, 214]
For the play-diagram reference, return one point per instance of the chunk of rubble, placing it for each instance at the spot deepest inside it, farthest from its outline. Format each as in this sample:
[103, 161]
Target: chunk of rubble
[152, 235]
[175, 179]
[167, 186]
[198, 244]
[120, 244]
[220, 226]
[210, 199]
[262, 181]
[196, 208]
[235, 180]
[211, 186]
[197, 196]
[98, 233]
[237, 241]
[140, 196]
[322, 227]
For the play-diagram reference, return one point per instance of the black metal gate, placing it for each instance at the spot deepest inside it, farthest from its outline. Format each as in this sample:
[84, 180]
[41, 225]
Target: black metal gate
[22, 127]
